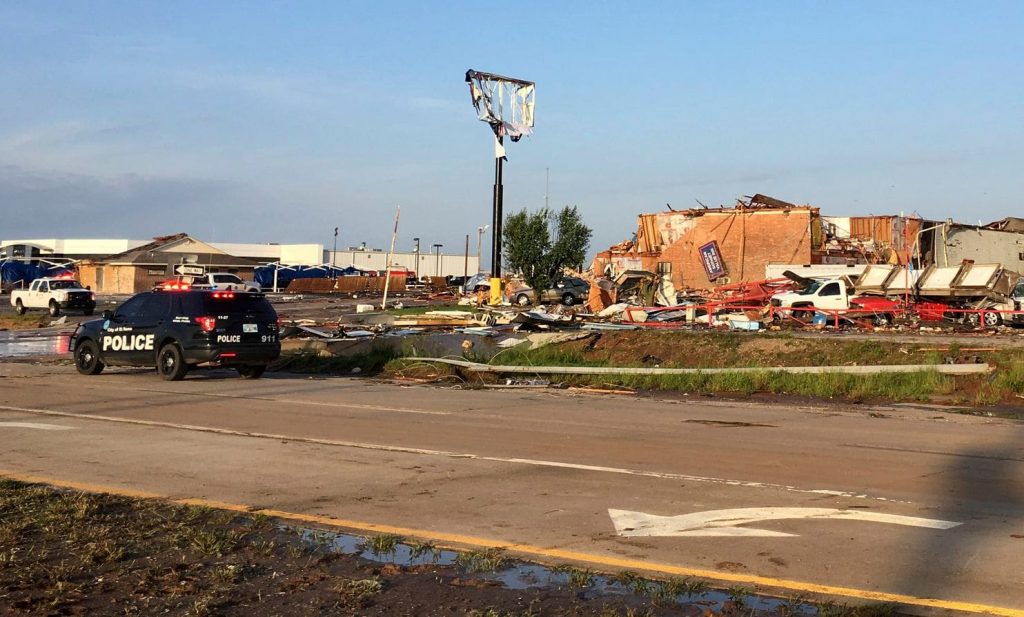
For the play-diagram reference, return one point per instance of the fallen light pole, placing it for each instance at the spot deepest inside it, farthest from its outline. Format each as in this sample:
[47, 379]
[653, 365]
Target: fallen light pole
[506, 104]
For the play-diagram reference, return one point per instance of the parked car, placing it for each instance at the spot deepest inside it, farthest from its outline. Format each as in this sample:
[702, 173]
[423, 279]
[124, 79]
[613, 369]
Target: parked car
[479, 281]
[55, 295]
[457, 281]
[568, 291]
[224, 281]
[1017, 319]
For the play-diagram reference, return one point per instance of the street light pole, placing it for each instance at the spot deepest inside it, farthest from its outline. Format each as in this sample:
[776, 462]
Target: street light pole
[437, 259]
[334, 255]
[416, 266]
[479, 240]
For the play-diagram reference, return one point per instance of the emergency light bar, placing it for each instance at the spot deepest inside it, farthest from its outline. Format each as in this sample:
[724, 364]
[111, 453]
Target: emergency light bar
[175, 286]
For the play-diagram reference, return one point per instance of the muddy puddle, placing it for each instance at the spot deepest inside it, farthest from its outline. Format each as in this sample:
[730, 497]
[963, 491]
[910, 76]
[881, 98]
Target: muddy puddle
[514, 574]
[21, 344]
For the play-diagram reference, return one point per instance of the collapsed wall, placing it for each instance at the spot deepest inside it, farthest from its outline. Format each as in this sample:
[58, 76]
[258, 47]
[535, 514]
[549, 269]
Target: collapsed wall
[702, 248]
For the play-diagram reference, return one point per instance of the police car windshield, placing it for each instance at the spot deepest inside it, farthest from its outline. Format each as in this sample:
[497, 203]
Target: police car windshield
[65, 285]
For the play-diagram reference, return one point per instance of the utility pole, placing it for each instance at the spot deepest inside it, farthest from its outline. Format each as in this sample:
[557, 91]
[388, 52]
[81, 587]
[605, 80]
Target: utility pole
[391, 253]
[465, 264]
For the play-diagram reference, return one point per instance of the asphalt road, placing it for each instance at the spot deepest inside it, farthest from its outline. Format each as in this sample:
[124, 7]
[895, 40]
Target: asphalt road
[889, 503]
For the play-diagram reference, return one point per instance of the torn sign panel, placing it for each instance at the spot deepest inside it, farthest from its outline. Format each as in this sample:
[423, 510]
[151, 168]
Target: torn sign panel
[506, 104]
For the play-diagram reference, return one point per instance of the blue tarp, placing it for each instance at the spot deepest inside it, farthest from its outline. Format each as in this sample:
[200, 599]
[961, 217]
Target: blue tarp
[15, 272]
[264, 275]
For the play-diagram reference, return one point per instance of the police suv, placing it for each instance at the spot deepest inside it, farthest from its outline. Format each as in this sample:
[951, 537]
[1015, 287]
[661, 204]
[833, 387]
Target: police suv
[178, 328]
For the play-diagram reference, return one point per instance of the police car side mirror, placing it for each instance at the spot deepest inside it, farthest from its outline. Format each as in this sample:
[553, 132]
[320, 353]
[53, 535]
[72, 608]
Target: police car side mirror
[108, 314]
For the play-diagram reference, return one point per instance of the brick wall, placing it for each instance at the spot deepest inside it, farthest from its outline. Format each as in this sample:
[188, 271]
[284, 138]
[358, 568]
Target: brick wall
[748, 242]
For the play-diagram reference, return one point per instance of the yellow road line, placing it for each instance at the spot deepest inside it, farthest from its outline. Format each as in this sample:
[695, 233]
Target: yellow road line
[542, 552]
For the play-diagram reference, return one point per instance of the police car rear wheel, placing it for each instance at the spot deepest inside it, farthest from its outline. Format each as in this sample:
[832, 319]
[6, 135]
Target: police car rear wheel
[170, 363]
[19, 307]
[87, 358]
[252, 372]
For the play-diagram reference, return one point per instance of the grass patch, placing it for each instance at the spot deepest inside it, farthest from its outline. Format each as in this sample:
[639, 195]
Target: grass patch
[581, 578]
[359, 591]
[918, 386]
[384, 544]
[28, 321]
[1010, 378]
[715, 350]
[484, 560]
[372, 361]
[549, 355]
[420, 310]
[420, 549]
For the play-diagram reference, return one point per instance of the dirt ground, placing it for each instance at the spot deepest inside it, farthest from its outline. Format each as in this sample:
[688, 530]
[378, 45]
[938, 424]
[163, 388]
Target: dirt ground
[71, 553]
[715, 349]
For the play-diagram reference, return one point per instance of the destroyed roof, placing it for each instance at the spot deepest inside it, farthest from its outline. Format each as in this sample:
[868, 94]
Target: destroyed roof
[1010, 223]
[757, 202]
[158, 241]
[770, 202]
[162, 248]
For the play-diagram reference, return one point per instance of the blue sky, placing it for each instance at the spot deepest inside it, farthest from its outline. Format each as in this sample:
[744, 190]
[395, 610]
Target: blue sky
[269, 121]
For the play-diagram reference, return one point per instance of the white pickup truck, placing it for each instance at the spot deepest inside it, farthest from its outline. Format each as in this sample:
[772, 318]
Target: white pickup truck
[223, 281]
[835, 294]
[55, 295]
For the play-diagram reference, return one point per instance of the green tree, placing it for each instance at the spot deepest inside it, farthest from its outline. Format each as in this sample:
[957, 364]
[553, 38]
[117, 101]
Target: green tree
[540, 244]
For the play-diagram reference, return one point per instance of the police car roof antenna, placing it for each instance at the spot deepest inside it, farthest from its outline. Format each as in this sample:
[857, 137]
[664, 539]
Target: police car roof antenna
[391, 252]
[507, 105]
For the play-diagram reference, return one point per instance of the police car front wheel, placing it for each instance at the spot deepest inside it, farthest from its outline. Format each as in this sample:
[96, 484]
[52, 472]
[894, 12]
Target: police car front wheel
[87, 358]
[170, 362]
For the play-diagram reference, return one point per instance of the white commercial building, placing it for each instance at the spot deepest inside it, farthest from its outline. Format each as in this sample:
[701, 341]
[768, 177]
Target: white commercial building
[98, 249]
[423, 264]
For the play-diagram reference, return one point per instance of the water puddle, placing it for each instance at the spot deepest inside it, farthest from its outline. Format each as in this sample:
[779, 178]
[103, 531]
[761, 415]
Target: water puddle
[514, 574]
[19, 345]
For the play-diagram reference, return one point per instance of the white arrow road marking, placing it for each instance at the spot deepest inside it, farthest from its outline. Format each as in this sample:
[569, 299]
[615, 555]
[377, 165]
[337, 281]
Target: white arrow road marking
[724, 523]
[36, 425]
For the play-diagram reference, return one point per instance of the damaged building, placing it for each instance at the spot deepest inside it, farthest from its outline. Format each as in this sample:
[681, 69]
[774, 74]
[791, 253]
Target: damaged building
[701, 248]
[946, 243]
[144, 267]
[704, 247]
